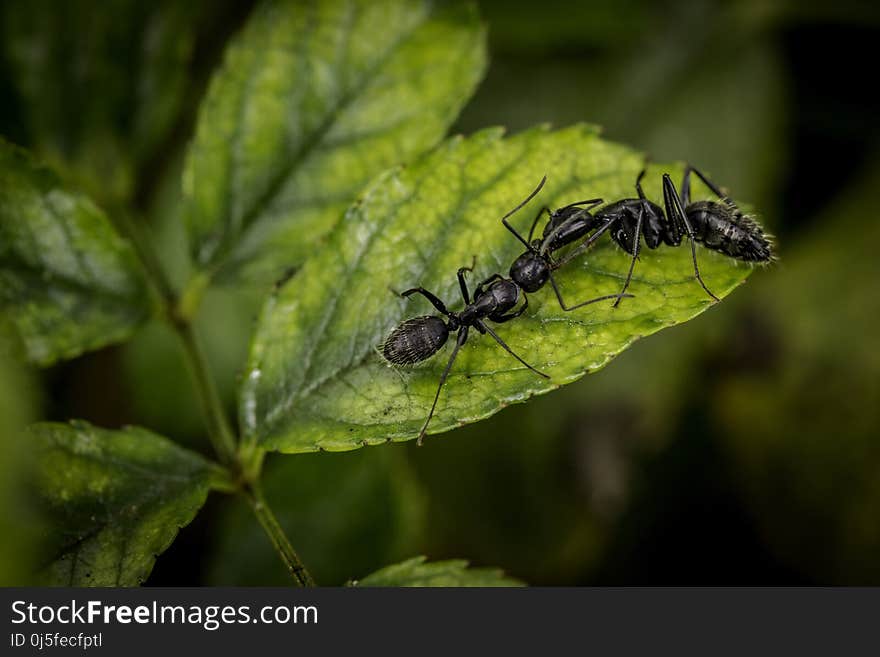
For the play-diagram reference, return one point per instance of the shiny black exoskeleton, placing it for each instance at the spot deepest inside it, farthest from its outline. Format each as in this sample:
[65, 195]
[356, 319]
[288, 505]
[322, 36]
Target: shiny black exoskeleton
[566, 225]
[419, 338]
[721, 227]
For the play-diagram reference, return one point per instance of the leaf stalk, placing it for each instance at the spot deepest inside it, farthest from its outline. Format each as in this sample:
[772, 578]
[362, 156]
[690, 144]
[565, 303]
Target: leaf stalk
[245, 465]
[219, 430]
[276, 534]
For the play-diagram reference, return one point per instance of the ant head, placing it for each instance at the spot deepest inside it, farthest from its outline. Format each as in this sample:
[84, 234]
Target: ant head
[530, 271]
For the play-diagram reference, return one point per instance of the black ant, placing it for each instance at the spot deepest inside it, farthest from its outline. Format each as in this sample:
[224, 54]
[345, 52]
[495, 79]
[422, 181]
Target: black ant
[721, 227]
[419, 338]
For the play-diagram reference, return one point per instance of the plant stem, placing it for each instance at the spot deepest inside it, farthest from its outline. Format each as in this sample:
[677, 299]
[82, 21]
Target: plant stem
[279, 539]
[244, 467]
[219, 430]
[149, 260]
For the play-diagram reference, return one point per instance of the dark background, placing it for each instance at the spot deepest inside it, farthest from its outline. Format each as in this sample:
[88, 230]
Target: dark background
[739, 448]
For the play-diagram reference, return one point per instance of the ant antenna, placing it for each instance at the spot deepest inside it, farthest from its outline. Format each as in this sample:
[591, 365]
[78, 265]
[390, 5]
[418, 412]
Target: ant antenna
[528, 198]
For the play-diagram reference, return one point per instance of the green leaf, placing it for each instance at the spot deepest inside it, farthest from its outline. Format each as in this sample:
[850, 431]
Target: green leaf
[344, 513]
[114, 500]
[315, 379]
[100, 84]
[418, 572]
[68, 280]
[312, 101]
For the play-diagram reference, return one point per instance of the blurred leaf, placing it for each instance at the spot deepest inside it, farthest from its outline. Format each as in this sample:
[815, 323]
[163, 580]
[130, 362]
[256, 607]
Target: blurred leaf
[17, 524]
[101, 84]
[345, 513]
[801, 421]
[419, 572]
[562, 25]
[115, 500]
[668, 95]
[785, 13]
[746, 94]
[311, 102]
[315, 379]
[69, 281]
[518, 488]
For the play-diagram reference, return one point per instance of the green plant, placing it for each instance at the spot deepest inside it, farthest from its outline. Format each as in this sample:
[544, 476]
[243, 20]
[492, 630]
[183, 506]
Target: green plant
[288, 170]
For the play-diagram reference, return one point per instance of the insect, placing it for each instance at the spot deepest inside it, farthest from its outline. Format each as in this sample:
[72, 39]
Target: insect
[721, 227]
[566, 225]
[419, 338]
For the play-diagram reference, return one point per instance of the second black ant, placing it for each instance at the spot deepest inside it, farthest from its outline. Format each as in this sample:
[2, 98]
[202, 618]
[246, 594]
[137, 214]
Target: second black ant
[720, 226]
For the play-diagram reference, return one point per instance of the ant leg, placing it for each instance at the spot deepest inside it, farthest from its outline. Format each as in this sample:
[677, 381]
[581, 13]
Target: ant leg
[515, 234]
[708, 183]
[439, 305]
[509, 350]
[584, 303]
[462, 338]
[674, 211]
[535, 222]
[635, 254]
[587, 243]
[639, 183]
[462, 283]
[589, 203]
[677, 217]
[686, 186]
[506, 318]
[527, 199]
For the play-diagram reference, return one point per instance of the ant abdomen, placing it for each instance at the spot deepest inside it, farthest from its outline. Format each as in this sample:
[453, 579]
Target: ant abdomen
[726, 230]
[415, 340]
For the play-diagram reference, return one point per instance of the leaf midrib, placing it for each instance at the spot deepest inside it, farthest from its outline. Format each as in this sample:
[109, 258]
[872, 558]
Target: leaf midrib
[258, 212]
[13, 263]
